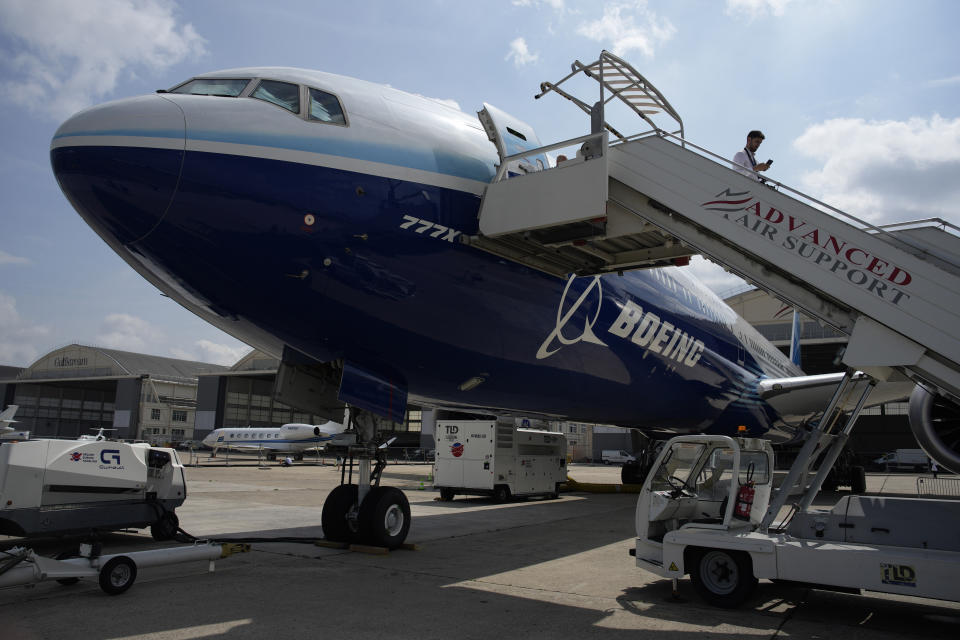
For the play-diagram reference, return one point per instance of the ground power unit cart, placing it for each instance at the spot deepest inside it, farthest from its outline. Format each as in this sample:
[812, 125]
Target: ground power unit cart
[484, 457]
[53, 487]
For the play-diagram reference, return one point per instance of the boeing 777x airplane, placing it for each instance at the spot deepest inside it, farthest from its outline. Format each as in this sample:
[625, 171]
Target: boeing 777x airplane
[322, 219]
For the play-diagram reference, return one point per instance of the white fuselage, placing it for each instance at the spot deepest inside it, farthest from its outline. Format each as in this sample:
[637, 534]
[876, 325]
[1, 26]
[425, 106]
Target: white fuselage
[290, 438]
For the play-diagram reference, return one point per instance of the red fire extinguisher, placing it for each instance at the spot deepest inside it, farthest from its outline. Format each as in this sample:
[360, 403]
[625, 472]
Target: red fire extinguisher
[744, 503]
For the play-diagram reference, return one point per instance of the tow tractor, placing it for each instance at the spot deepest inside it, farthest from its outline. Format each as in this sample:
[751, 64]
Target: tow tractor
[708, 508]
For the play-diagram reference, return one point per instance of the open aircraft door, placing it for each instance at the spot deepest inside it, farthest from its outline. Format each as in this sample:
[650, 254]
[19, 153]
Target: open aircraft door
[511, 137]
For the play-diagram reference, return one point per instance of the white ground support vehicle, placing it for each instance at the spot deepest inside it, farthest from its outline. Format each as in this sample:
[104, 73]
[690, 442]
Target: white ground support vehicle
[705, 509]
[915, 459]
[484, 457]
[70, 486]
[616, 456]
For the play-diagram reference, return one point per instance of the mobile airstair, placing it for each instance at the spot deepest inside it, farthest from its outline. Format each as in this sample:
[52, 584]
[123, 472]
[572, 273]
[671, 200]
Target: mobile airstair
[655, 199]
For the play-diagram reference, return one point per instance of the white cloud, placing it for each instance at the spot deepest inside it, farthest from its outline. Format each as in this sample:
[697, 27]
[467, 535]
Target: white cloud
[9, 258]
[757, 8]
[212, 352]
[558, 5]
[16, 334]
[129, 333]
[886, 171]
[132, 333]
[68, 54]
[520, 53]
[627, 27]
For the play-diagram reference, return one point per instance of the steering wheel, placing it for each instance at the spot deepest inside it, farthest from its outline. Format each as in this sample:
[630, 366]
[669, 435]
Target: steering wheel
[679, 488]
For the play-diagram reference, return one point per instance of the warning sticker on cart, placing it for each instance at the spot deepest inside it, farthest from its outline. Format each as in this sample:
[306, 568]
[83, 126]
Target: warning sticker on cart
[899, 574]
[456, 449]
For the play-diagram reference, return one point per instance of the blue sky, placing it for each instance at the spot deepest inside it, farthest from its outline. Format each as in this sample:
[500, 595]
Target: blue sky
[859, 99]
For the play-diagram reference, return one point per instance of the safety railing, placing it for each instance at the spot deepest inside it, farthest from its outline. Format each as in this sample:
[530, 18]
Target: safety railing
[505, 162]
[863, 225]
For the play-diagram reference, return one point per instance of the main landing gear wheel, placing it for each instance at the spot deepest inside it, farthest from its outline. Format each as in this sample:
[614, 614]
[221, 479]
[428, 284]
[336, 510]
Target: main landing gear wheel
[166, 527]
[117, 575]
[385, 517]
[336, 525]
[723, 578]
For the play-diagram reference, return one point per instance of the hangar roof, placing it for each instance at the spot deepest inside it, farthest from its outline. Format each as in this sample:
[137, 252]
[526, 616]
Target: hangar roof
[82, 361]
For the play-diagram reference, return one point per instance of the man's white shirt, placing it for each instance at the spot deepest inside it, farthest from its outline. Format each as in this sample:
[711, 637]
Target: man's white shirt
[743, 158]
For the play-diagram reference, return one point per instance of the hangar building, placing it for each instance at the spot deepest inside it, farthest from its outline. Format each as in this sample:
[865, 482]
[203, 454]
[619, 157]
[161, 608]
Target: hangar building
[77, 389]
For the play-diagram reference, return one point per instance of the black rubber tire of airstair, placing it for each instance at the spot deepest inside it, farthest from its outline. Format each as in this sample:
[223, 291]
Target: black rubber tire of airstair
[710, 568]
[858, 480]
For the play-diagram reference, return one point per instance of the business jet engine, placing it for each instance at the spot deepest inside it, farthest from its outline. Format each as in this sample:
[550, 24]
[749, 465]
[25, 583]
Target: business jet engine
[935, 422]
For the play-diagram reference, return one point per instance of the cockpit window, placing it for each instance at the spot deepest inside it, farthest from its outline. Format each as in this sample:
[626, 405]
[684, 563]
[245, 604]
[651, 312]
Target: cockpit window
[325, 107]
[283, 94]
[229, 87]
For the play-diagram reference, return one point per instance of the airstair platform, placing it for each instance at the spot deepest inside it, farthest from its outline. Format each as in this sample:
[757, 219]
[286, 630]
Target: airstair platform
[655, 199]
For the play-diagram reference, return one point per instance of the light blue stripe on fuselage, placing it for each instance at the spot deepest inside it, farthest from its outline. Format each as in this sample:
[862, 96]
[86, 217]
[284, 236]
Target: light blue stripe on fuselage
[432, 160]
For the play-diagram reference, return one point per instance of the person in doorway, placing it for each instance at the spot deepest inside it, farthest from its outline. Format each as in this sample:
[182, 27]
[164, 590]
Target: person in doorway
[748, 160]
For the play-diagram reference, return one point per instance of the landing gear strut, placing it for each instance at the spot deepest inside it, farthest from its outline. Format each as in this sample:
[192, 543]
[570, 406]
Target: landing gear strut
[366, 513]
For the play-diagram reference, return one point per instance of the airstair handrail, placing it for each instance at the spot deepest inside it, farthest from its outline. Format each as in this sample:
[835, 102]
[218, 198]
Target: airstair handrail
[863, 224]
[617, 80]
[939, 222]
[502, 169]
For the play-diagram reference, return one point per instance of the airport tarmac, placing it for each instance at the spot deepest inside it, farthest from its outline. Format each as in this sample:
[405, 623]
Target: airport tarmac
[533, 569]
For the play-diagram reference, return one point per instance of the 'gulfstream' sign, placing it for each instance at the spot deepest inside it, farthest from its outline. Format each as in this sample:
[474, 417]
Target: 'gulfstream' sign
[69, 362]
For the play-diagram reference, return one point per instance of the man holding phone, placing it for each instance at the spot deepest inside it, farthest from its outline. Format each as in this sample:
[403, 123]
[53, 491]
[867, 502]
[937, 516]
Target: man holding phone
[748, 160]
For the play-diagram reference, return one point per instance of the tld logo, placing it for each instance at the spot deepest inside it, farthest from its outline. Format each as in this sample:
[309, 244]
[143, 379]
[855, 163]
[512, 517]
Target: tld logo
[452, 429]
[112, 458]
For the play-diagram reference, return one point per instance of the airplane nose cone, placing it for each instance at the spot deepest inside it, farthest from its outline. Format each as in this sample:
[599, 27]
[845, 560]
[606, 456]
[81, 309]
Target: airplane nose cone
[119, 164]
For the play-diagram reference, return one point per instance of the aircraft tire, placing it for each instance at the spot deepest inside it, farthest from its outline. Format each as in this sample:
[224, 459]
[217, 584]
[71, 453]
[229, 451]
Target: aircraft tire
[385, 517]
[721, 577]
[333, 519]
[117, 575]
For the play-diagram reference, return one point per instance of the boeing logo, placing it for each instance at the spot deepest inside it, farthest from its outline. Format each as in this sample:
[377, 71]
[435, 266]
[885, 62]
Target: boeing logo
[587, 334]
[645, 330]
